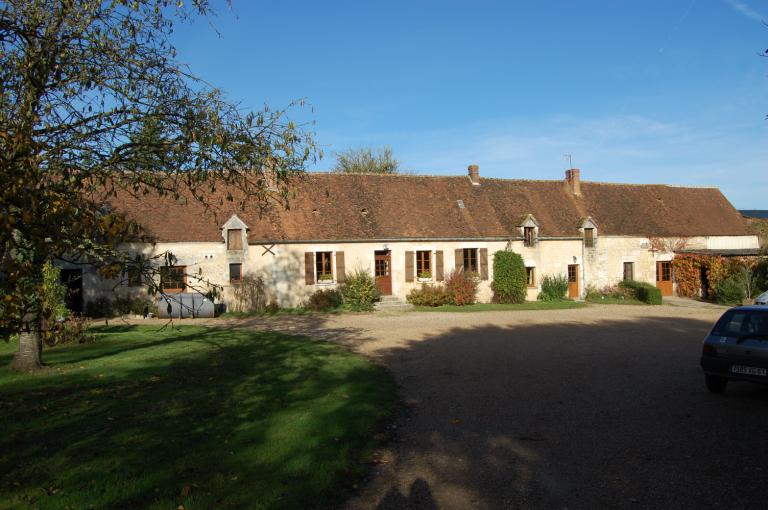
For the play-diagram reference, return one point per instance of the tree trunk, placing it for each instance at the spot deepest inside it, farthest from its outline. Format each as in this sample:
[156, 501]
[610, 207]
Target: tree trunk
[30, 354]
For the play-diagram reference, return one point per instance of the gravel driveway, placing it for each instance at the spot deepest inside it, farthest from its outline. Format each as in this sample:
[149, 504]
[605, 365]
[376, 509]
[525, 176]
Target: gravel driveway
[597, 407]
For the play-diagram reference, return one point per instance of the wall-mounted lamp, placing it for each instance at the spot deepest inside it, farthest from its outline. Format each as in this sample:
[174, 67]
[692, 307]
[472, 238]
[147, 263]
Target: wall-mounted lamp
[574, 259]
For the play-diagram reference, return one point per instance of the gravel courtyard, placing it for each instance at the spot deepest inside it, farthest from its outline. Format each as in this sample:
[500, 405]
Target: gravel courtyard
[597, 407]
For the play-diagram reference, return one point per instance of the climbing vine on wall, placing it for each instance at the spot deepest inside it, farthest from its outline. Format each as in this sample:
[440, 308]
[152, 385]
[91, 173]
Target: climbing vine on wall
[687, 269]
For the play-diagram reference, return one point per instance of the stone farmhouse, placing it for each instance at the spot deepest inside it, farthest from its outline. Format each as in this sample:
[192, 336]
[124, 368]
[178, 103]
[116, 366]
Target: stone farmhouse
[411, 229]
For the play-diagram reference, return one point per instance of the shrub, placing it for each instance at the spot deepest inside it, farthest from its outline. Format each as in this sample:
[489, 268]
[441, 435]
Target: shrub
[53, 293]
[729, 291]
[509, 279]
[72, 330]
[143, 307]
[429, 295]
[609, 291]
[359, 291]
[101, 307]
[272, 307]
[461, 288]
[553, 288]
[249, 295]
[122, 306]
[324, 299]
[642, 291]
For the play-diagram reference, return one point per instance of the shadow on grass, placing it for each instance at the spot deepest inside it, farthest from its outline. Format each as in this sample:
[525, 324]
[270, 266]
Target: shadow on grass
[202, 417]
[571, 414]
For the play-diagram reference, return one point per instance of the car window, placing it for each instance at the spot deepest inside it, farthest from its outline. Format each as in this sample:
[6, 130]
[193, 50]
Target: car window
[742, 322]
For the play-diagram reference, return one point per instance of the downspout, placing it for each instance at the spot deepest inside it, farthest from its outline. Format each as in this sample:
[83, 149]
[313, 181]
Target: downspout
[583, 290]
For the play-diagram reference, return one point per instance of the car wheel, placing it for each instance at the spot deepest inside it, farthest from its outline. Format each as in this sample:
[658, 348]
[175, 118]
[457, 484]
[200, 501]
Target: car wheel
[715, 384]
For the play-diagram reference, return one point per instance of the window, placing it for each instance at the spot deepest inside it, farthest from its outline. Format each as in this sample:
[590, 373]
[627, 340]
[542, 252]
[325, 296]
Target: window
[323, 266]
[234, 239]
[133, 274]
[573, 273]
[235, 273]
[629, 271]
[529, 236]
[423, 264]
[530, 274]
[665, 275]
[173, 278]
[470, 260]
[589, 237]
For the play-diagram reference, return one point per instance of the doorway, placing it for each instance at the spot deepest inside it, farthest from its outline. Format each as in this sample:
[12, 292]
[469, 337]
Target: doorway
[383, 271]
[73, 280]
[573, 280]
[664, 277]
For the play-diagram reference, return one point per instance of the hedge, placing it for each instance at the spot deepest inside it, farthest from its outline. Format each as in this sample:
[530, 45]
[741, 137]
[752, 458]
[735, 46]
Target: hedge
[642, 291]
[509, 280]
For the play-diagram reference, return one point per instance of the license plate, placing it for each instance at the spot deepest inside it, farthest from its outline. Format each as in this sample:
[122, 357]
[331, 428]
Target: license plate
[740, 369]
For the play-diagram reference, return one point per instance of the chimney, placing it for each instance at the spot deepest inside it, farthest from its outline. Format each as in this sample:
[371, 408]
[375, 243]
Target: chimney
[474, 174]
[573, 180]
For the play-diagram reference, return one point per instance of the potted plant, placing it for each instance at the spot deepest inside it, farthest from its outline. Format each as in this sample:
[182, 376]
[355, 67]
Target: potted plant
[325, 278]
[425, 276]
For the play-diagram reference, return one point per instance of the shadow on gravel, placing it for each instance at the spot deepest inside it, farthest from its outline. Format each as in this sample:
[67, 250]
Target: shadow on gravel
[572, 414]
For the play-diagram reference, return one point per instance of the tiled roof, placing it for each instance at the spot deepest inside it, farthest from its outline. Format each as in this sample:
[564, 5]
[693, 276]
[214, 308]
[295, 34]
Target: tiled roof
[329, 207]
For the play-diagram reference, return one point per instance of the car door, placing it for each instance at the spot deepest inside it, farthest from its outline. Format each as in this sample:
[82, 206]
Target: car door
[743, 338]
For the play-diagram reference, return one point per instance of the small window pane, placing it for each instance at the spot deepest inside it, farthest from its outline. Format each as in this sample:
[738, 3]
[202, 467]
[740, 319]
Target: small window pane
[235, 272]
[324, 266]
[530, 273]
[173, 278]
[529, 236]
[470, 260]
[424, 264]
[589, 237]
[629, 271]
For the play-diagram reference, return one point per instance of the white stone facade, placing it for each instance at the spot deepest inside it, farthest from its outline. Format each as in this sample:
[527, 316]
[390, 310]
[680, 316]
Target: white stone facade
[282, 266]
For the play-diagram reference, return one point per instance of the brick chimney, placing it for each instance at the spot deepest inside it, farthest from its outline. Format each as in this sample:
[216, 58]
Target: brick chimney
[573, 181]
[474, 174]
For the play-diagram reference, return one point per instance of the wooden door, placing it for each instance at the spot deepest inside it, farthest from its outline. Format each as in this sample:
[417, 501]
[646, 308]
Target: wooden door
[573, 280]
[664, 277]
[383, 272]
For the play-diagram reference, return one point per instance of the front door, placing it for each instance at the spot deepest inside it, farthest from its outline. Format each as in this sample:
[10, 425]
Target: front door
[383, 272]
[573, 280]
[73, 280]
[664, 277]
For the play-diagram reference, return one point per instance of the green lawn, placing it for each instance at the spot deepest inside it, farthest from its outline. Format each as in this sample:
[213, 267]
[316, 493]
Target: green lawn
[198, 417]
[489, 307]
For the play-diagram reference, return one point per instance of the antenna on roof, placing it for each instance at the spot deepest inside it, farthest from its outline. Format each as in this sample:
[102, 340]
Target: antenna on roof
[570, 160]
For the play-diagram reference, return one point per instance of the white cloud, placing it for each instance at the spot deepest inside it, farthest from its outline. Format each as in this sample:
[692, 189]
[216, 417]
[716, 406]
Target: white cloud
[746, 10]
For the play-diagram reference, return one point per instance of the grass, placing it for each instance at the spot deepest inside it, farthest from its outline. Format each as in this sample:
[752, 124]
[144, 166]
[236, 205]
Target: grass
[490, 307]
[610, 300]
[204, 418]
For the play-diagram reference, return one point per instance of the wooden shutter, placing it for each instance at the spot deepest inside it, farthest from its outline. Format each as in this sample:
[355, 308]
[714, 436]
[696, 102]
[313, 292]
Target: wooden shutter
[409, 266]
[234, 239]
[483, 263]
[340, 271]
[439, 266]
[459, 260]
[309, 268]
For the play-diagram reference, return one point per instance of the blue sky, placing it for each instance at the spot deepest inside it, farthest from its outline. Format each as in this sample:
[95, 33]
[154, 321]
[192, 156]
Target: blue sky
[667, 91]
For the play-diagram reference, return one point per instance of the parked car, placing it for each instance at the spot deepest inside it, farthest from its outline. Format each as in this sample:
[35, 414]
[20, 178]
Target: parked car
[762, 299]
[737, 348]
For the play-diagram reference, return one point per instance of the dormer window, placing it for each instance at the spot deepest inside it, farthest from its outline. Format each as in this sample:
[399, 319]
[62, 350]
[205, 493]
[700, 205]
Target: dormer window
[529, 227]
[529, 236]
[235, 234]
[589, 231]
[589, 237]
[235, 239]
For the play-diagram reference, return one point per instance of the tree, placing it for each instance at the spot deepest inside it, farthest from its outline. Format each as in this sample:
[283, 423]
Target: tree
[364, 161]
[93, 104]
